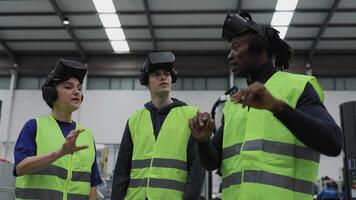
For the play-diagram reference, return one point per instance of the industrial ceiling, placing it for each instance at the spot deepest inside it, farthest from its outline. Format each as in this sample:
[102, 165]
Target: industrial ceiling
[188, 27]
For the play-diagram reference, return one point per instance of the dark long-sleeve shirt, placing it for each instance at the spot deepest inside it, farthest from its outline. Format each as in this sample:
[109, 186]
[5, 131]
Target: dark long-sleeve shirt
[123, 163]
[310, 122]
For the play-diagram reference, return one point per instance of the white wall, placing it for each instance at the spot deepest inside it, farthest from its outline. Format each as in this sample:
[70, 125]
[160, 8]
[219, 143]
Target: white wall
[113, 108]
[4, 120]
[106, 113]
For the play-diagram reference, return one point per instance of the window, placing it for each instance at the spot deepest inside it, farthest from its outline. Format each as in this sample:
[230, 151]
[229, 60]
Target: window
[240, 83]
[217, 84]
[28, 83]
[350, 83]
[138, 86]
[327, 83]
[187, 83]
[199, 84]
[4, 82]
[339, 83]
[98, 83]
[126, 84]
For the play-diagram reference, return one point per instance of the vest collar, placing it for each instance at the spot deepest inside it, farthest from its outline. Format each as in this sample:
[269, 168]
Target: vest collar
[262, 75]
[165, 110]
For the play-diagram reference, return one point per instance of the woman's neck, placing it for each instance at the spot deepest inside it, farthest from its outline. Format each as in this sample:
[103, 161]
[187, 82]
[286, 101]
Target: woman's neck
[61, 115]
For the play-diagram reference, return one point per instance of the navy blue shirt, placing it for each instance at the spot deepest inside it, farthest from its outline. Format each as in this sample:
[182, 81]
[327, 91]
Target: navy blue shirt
[26, 146]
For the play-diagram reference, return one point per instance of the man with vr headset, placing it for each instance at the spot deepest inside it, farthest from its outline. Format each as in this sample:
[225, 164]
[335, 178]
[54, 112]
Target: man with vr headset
[55, 156]
[157, 158]
[275, 129]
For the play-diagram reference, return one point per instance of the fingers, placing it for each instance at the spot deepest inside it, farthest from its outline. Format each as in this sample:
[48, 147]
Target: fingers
[81, 147]
[196, 123]
[203, 118]
[211, 125]
[200, 126]
[74, 134]
[248, 96]
[192, 127]
[240, 96]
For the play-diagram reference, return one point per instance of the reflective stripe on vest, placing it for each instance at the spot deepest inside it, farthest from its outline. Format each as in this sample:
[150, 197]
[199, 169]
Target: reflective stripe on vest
[38, 194]
[46, 194]
[233, 179]
[158, 183]
[261, 177]
[159, 166]
[227, 152]
[260, 152]
[66, 178]
[159, 162]
[61, 173]
[282, 149]
[273, 147]
[53, 170]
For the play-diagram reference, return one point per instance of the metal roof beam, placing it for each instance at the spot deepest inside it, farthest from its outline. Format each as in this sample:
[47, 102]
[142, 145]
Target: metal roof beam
[70, 31]
[289, 39]
[322, 30]
[150, 27]
[349, 25]
[174, 12]
[328, 52]
[239, 6]
[9, 52]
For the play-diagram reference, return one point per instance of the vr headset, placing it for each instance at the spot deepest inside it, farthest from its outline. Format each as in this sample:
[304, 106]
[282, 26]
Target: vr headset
[64, 70]
[237, 24]
[155, 61]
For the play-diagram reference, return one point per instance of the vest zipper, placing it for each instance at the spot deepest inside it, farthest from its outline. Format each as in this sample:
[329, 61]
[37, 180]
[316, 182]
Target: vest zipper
[69, 178]
[149, 171]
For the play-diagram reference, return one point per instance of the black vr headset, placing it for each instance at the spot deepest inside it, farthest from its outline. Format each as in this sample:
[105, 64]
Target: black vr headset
[263, 38]
[64, 70]
[155, 61]
[237, 24]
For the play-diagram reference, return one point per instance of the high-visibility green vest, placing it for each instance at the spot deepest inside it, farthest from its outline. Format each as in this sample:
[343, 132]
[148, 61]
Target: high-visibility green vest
[262, 159]
[159, 167]
[67, 178]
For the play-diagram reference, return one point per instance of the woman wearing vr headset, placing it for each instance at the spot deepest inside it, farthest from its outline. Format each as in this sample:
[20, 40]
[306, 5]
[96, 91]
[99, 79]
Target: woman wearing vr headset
[157, 158]
[54, 156]
[275, 129]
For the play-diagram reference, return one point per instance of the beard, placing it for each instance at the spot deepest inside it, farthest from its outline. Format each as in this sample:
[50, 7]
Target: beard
[247, 68]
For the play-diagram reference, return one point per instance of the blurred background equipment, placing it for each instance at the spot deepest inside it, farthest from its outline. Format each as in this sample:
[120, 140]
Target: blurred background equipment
[348, 123]
[106, 155]
[7, 180]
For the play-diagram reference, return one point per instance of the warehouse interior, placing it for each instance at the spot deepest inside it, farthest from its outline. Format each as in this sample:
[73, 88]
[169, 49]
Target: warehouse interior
[113, 40]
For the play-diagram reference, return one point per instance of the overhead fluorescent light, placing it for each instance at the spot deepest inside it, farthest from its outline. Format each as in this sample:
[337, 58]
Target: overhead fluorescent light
[281, 18]
[120, 46]
[282, 31]
[110, 20]
[104, 6]
[115, 34]
[286, 5]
